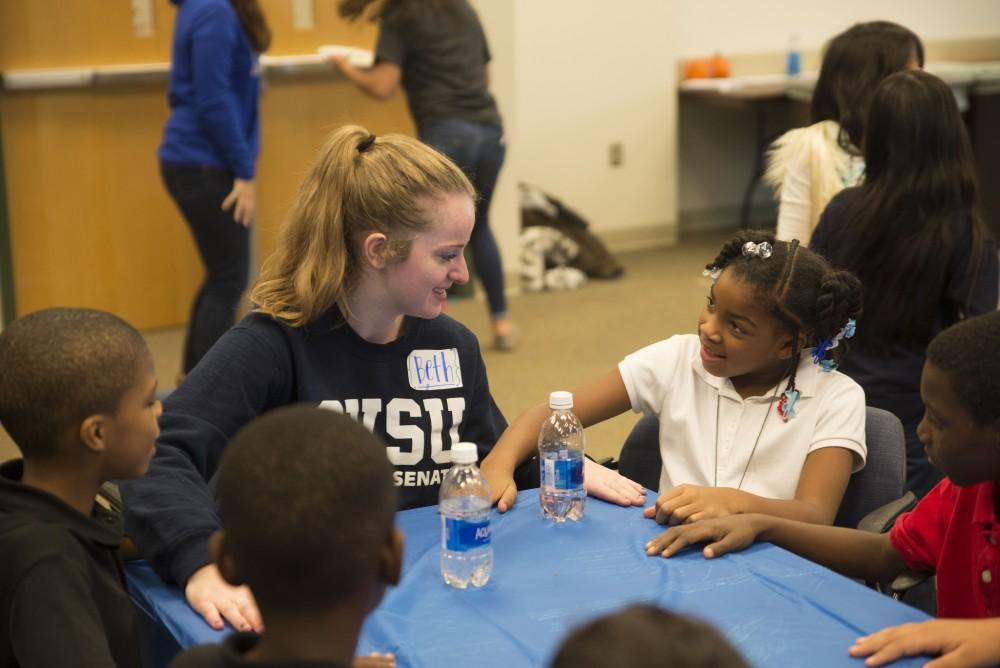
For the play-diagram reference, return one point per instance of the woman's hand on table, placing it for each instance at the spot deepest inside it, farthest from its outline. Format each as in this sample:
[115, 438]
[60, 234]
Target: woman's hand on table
[603, 483]
[960, 643]
[692, 503]
[215, 599]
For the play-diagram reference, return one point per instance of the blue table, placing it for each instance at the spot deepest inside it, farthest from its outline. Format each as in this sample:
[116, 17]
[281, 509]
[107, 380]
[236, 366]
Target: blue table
[777, 608]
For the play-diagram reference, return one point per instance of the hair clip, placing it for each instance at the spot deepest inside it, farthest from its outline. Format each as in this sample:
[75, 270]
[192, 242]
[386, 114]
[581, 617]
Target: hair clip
[711, 272]
[763, 250]
[366, 143]
[786, 405]
[829, 343]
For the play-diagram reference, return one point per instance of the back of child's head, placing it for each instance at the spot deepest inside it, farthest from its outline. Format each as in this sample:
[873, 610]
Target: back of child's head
[307, 501]
[854, 63]
[643, 636]
[360, 184]
[967, 354]
[901, 232]
[795, 285]
[60, 366]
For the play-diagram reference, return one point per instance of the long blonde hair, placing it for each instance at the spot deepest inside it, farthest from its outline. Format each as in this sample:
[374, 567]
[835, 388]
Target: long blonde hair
[358, 185]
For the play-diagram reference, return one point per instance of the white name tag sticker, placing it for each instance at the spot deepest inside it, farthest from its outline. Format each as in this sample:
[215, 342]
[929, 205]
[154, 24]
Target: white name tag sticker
[434, 369]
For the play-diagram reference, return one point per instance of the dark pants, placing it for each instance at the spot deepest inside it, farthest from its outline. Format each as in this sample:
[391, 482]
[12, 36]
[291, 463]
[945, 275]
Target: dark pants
[479, 150]
[224, 247]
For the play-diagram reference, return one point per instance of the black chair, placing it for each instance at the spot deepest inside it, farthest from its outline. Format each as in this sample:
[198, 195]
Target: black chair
[880, 486]
[640, 456]
[879, 489]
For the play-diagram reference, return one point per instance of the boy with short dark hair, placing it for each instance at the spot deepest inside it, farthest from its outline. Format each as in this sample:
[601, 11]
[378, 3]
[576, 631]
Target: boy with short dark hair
[953, 532]
[78, 397]
[644, 636]
[307, 504]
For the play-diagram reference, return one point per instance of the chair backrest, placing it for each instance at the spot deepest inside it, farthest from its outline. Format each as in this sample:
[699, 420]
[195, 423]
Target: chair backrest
[640, 457]
[883, 479]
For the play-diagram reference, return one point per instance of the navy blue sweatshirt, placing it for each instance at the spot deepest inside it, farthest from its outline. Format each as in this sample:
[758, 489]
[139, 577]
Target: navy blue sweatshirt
[420, 394]
[214, 90]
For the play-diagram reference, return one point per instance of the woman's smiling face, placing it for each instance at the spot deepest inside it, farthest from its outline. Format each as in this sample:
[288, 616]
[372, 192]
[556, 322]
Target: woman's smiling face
[435, 260]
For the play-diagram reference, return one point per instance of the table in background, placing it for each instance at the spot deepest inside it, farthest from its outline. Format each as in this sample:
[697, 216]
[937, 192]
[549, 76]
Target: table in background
[777, 608]
[768, 96]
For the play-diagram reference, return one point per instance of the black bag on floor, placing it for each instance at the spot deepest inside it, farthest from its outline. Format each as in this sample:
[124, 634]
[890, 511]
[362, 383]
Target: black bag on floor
[539, 209]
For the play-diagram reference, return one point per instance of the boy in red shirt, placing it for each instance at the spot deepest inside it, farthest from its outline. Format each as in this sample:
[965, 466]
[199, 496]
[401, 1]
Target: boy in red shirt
[953, 532]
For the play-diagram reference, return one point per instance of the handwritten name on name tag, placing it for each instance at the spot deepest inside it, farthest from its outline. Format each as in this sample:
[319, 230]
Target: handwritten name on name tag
[434, 369]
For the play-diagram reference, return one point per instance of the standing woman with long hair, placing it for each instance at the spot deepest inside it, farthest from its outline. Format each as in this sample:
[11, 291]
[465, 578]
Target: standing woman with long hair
[912, 233]
[210, 145]
[437, 50]
[808, 166]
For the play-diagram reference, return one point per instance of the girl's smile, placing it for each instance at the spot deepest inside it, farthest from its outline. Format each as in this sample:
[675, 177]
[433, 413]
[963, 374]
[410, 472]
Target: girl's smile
[740, 339]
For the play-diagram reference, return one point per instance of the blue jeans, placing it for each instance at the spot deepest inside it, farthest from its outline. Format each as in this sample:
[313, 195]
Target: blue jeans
[224, 247]
[479, 150]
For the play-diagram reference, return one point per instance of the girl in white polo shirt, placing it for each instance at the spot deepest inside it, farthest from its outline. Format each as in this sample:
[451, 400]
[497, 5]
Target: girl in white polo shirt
[753, 416]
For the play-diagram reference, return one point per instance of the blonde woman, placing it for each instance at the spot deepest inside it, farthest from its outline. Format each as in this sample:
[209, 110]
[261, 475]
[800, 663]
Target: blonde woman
[348, 316]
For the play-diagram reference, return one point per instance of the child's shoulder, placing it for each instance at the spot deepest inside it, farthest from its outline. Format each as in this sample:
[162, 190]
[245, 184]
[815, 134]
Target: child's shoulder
[668, 354]
[838, 385]
[681, 345]
[27, 544]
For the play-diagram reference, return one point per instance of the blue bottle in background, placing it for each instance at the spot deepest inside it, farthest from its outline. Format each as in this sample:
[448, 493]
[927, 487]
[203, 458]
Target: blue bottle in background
[464, 504]
[793, 63]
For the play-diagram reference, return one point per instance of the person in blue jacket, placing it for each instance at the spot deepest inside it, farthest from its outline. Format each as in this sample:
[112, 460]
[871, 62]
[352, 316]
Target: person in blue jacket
[210, 143]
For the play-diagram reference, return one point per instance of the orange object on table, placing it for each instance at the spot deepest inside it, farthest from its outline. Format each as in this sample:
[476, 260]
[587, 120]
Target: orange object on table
[698, 68]
[720, 66]
[706, 68]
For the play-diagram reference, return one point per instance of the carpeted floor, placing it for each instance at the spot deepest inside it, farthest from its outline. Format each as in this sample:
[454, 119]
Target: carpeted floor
[568, 338]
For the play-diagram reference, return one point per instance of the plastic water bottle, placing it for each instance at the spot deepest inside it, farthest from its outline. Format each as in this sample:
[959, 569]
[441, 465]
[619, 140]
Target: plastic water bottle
[466, 552]
[560, 456]
[793, 62]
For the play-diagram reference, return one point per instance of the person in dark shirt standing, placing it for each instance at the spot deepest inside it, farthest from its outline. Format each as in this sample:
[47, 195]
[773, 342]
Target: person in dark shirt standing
[78, 396]
[210, 144]
[437, 50]
[912, 233]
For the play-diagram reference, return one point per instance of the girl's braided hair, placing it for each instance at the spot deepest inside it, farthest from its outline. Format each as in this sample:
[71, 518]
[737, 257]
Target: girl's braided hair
[796, 286]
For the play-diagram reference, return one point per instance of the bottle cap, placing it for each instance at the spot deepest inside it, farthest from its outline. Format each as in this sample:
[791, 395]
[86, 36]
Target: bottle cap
[464, 453]
[560, 399]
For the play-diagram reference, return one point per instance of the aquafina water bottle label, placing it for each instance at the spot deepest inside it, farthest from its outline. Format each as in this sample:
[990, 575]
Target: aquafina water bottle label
[563, 472]
[464, 535]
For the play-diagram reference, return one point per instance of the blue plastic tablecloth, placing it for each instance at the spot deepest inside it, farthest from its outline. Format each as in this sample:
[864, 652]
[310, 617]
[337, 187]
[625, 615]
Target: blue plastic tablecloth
[777, 608]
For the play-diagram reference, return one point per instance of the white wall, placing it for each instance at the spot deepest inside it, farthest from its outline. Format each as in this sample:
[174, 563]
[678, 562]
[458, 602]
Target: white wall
[588, 74]
[497, 17]
[742, 26]
[571, 77]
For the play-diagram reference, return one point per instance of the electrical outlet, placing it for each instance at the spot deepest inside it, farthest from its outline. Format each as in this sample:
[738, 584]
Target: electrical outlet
[302, 15]
[142, 18]
[616, 154]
